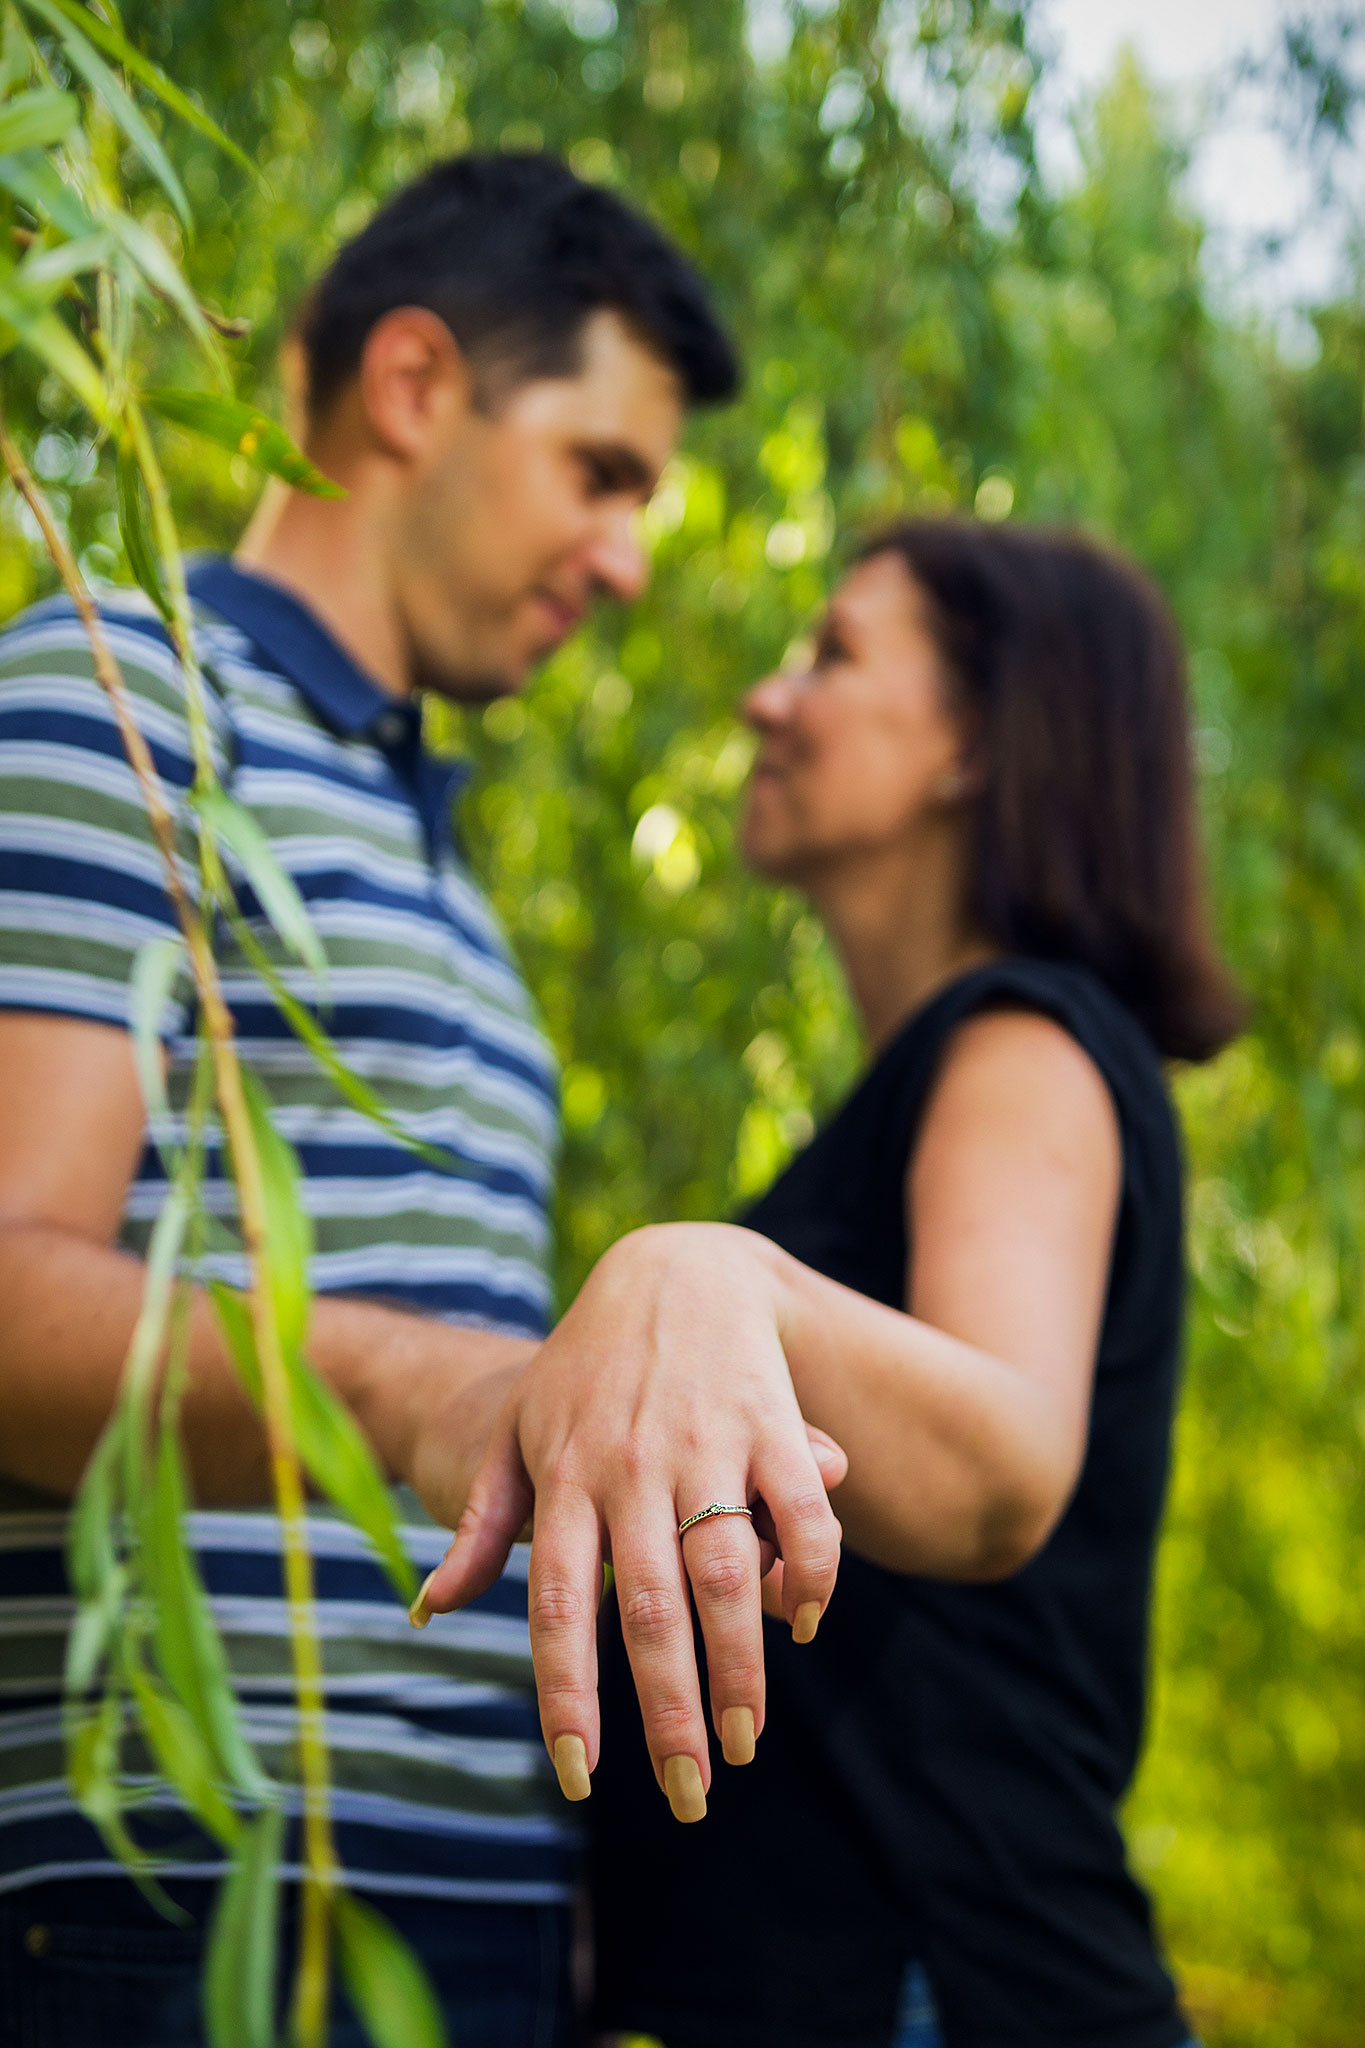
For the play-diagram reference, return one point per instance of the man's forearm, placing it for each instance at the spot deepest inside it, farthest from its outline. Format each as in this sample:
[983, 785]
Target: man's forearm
[70, 1307]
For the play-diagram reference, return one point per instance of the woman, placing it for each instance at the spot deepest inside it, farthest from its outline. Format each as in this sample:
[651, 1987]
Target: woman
[974, 1272]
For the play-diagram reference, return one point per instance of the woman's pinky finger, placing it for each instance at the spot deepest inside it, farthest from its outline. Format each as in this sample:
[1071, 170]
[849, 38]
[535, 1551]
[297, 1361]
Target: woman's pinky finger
[808, 1537]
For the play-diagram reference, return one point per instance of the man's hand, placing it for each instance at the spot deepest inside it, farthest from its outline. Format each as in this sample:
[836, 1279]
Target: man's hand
[664, 1389]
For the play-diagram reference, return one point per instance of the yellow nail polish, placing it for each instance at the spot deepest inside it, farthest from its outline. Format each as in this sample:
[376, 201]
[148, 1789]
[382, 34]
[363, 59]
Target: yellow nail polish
[806, 1621]
[682, 1782]
[737, 1735]
[571, 1766]
[419, 1614]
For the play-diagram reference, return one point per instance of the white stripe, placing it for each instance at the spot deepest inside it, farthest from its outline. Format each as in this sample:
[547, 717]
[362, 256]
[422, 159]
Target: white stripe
[388, 1199]
[65, 917]
[30, 832]
[459, 1891]
[382, 1267]
[372, 1809]
[82, 697]
[62, 988]
[72, 767]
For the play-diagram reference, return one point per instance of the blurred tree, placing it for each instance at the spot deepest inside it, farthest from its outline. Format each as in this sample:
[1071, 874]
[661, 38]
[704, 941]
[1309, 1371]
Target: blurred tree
[927, 327]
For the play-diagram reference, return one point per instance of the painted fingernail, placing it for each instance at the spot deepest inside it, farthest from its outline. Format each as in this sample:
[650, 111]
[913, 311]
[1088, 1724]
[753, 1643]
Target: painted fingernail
[737, 1735]
[805, 1621]
[682, 1782]
[419, 1614]
[571, 1766]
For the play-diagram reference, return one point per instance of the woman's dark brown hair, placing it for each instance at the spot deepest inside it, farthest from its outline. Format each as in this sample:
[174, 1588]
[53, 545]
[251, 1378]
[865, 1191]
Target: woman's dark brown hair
[1087, 841]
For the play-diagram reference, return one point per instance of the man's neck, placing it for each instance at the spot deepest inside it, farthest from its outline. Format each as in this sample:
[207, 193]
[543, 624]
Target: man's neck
[328, 553]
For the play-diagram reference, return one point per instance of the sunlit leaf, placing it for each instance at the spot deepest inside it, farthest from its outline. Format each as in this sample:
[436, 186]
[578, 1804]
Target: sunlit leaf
[116, 45]
[84, 58]
[182, 1756]
[289, 1229]
[352, 1086]
[135, 531]
[188, 1646]
[246, 431]
[157, 968]
[43, 332]
[237, 833]
[91, 1552]
[155, 264]
[37, 120]
[387, 1985]
[32, 178]
[47, 270]
[335, 1451]
[239, 1970]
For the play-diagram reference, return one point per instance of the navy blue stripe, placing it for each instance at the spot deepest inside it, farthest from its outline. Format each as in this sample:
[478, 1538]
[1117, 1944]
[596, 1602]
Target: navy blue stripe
[81, 881]
[87, 734]
[323, 1159]
[326, 885]
[399, 1026]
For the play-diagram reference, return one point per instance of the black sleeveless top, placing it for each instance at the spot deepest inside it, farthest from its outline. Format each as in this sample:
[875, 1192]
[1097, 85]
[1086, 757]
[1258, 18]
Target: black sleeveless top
[939, 1770]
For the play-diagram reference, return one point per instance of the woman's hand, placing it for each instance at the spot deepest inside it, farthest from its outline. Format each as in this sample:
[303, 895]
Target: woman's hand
[664, 1389]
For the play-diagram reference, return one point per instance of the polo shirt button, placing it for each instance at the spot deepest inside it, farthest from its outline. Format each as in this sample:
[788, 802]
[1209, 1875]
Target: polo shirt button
[37, 1940]
[390, 728]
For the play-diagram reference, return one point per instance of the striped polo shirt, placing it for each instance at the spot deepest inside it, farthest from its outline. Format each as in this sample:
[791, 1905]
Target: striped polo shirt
[442, 1784]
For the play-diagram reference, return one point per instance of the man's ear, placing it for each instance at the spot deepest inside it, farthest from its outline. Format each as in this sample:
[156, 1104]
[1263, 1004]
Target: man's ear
[414, 379]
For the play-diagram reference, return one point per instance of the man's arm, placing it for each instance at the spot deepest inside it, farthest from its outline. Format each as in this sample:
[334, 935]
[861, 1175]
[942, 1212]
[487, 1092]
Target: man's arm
[71, 1133]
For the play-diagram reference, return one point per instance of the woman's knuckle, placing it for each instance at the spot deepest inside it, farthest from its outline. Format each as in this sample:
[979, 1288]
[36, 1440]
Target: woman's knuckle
[555, 1606]
[722, 1577]
[649, 1611]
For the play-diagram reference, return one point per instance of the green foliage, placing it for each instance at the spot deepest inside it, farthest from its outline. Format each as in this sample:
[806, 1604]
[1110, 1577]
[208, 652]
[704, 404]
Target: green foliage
[926, 326]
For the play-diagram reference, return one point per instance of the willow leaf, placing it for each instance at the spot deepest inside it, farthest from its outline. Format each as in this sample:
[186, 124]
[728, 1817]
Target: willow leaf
[236, 832]
[335, 1451]
[388, 1986]
[116, 45]
[159, 269]
[83, 58]
[188, 1646]
[38, 120]
[349, 1084]
[135, 531]
[239, 1969]
[289, 1231]
[155, 971]
[245, 431]
[182, 1756]
[47, 270]
[91, 1551]
[41, 330]
[36, 184]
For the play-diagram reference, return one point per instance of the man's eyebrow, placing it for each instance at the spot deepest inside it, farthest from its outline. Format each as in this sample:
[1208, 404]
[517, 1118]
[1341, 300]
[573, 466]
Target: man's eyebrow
[627, 468]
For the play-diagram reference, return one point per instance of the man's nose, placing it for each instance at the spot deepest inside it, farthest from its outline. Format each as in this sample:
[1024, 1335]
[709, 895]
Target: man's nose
[619, 562]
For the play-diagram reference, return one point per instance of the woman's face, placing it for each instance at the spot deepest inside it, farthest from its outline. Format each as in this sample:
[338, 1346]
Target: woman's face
[860, 752]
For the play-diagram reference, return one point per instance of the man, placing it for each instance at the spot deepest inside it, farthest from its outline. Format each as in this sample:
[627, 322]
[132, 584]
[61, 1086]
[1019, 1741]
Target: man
[496, 370]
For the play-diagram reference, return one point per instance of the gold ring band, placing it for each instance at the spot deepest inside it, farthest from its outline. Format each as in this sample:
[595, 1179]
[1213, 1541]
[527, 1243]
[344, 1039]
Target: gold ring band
[704, 1515]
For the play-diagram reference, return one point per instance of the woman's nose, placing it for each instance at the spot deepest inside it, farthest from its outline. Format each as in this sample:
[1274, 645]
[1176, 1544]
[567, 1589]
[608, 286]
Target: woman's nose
[768, 703]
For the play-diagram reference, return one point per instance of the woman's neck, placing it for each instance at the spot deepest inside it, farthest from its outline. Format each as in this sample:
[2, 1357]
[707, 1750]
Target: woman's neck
[899, 936]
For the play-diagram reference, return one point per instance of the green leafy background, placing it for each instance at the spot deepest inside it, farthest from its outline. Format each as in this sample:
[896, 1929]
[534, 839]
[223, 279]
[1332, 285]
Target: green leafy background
[926, 325]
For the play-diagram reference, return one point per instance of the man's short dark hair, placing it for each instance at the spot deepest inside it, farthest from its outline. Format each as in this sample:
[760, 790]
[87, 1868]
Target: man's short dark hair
[514, 253]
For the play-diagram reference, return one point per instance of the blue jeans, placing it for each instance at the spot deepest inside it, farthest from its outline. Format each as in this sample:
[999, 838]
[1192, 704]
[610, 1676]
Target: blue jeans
[88, 1964]
[917, 2021]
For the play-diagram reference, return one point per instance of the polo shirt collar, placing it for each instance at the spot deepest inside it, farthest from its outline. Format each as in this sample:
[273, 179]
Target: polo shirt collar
[336, 689]
[295, 640]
